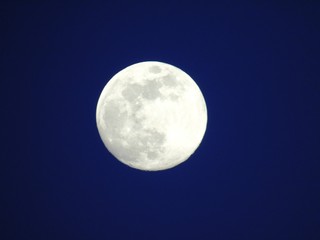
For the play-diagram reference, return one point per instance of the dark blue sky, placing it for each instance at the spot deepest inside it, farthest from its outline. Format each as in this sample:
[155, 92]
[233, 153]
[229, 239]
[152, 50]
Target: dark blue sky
[256, 173]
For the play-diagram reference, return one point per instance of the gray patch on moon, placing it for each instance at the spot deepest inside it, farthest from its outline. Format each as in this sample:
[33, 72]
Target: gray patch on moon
[172, 87]
[154, 69]
[141, 145]
[174, 97]
[169, 80]
[150, 91]
[153, 138]
[149, 142]
[132, 91]
[114, 118]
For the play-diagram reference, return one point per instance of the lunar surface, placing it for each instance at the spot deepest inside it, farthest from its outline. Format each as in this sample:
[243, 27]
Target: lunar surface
[151, 116]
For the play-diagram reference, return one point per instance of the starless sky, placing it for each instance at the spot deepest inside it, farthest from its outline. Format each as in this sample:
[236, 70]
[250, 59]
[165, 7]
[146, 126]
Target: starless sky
[256, 173]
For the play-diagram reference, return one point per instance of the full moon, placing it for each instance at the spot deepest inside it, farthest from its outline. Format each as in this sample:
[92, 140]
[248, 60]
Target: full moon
[151, 116]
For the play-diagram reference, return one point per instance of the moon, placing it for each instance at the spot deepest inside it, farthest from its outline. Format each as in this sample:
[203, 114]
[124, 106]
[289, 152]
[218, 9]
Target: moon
[151, 116]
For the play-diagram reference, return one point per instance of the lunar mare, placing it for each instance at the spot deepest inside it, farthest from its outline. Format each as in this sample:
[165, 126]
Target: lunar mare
[151, 116]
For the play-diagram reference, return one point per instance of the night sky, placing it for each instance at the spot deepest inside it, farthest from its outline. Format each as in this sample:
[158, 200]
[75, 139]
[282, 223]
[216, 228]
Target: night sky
[256, 174]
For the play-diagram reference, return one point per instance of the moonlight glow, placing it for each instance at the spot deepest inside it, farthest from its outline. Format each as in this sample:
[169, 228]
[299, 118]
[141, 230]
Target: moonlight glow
[151, 116]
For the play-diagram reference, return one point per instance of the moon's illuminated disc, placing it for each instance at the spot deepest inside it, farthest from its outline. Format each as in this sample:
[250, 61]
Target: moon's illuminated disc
[151, 116]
